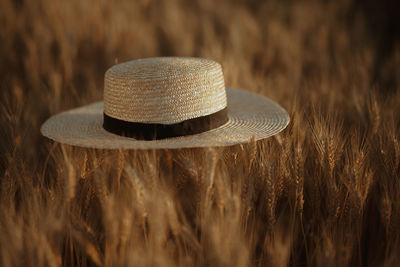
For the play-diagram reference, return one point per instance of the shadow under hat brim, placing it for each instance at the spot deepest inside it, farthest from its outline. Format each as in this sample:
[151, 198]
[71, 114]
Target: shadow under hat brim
[249, 115]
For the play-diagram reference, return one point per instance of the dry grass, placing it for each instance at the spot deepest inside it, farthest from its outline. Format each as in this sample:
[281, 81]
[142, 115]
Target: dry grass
[325, 192]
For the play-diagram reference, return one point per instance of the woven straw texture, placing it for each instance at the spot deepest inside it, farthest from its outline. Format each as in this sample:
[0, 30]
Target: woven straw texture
[249, 115]
[164, 90]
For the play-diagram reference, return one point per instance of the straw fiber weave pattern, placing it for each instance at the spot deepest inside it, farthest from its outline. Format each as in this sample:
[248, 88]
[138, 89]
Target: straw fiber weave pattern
[249, 115]
[164, 90]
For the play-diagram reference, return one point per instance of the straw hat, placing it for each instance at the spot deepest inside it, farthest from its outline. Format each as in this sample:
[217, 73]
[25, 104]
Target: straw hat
[167, 102]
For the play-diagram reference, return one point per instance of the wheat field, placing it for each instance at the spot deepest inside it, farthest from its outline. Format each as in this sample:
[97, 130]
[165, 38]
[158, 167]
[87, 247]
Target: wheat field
[324, 192]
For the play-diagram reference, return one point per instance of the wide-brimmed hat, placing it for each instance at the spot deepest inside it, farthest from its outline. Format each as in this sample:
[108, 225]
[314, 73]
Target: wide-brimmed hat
[168, 102]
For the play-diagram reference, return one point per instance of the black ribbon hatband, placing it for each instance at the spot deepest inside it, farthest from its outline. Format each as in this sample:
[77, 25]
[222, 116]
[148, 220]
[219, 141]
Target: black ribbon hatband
[155, 131]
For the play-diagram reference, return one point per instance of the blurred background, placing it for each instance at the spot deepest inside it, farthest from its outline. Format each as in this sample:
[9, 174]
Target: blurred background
[53, 54]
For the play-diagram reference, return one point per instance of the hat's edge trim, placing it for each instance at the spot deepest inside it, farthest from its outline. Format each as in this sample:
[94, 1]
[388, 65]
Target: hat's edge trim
[283, 112]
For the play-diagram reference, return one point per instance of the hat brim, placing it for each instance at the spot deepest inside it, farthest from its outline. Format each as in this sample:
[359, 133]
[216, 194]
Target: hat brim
[250, 115]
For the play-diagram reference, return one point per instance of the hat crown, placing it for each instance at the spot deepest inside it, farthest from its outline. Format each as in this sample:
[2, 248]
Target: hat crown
[164, 90]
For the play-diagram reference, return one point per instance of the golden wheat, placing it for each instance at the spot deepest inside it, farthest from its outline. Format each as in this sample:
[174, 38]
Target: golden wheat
[326, 191]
